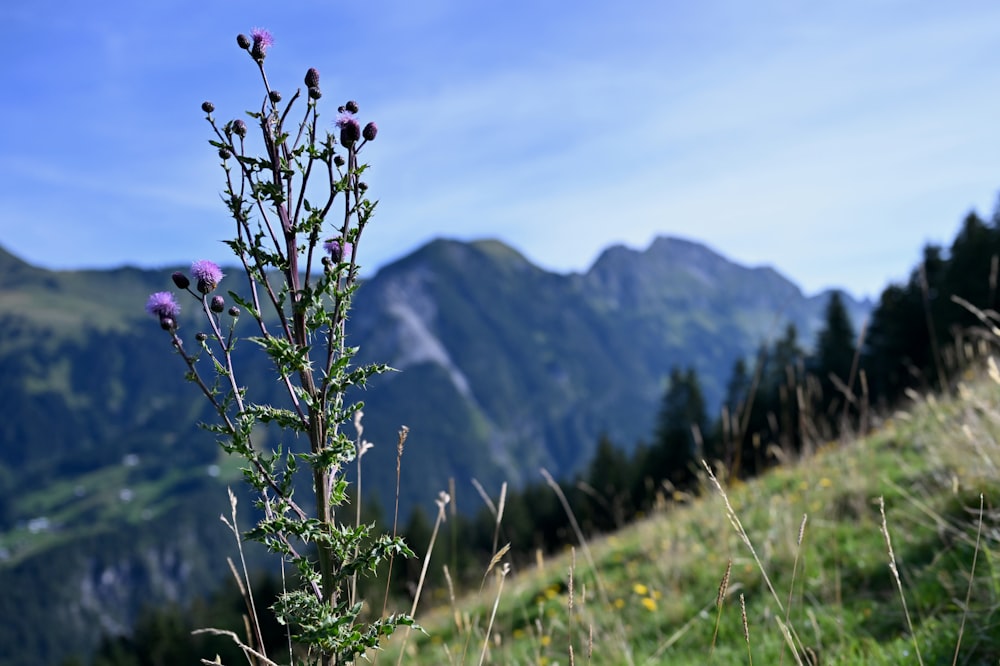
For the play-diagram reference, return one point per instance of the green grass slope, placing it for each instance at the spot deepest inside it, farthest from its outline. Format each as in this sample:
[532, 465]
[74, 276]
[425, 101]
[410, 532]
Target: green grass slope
[795, 567]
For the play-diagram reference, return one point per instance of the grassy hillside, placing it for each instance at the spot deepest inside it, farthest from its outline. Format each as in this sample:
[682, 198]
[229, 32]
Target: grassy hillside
[811, 564]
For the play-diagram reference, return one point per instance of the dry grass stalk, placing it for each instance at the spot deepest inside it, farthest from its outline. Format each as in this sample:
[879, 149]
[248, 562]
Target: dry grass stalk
[451, 598]
[735, 521]
[626, 648]
[249, 651]
[746, 627]
[895, 575]
[404, 431]
[442, 502]
[569, 604]
[795, 570]
[496, 603]
[720, 598]
[243, 583]
[972, 578]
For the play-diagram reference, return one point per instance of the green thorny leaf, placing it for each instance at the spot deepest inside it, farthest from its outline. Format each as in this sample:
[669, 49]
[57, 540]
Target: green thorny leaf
[288, 357]
[331, 627]
[284, 418]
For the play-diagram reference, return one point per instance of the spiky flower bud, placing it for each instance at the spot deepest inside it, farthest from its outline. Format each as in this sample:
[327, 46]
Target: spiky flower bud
[168, 323]
[350, 129]
[218, 304]
[180, 280]
[363, 186]
[239, 128]
[224, 153]
[234, 312]
[274, 96]
[312, 78]
[351, 106]
[315, 92]
[207, 107]
[370, 131]
[200, 337]
[243, 41]
[338, 160]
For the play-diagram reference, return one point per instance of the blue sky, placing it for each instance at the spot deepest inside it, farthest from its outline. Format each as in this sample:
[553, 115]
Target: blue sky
[830, 140]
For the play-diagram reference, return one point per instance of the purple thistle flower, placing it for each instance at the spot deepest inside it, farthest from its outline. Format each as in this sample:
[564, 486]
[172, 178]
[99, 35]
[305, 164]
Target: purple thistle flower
[335, 250]
[162, 305]
[208, 274]
[262, 40]
[350, 129]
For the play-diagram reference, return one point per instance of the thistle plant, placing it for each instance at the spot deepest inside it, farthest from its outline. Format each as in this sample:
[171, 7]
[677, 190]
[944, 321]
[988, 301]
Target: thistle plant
[300, 211]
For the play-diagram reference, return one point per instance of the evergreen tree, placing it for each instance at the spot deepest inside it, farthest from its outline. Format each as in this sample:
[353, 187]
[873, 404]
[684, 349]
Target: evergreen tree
[902, 348]
[738, 387]
[783, 380]
[608, 479]
[675, 452]
[970, 265]
[834, 357]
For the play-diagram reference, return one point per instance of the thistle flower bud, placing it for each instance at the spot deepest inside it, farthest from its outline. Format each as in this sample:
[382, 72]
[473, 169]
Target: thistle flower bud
[180, 280]
[351, 106]
[350, 129]
[338, 160]
[315, 92]
[218, 304]
[363, 186]
[168, 323]
[224, 153]
[341, 109]
[370, 131]
[207, 107]
[201, 337]
[274, 96]
[243, 41]
[312, 78]
[234, 312]
[239, 128]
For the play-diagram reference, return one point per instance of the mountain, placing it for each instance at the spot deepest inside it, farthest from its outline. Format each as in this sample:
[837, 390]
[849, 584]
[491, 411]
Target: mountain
[109, 491]
[507, 367]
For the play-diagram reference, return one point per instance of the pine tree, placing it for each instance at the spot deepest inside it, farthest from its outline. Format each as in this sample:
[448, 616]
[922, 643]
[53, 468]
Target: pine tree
[608, 477]
[834, 358]
[675, 451]
[903, 348]
[970, 267]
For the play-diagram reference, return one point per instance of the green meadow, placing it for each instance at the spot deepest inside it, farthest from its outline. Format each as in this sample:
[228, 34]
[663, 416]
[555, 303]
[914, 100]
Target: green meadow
[878, 550]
